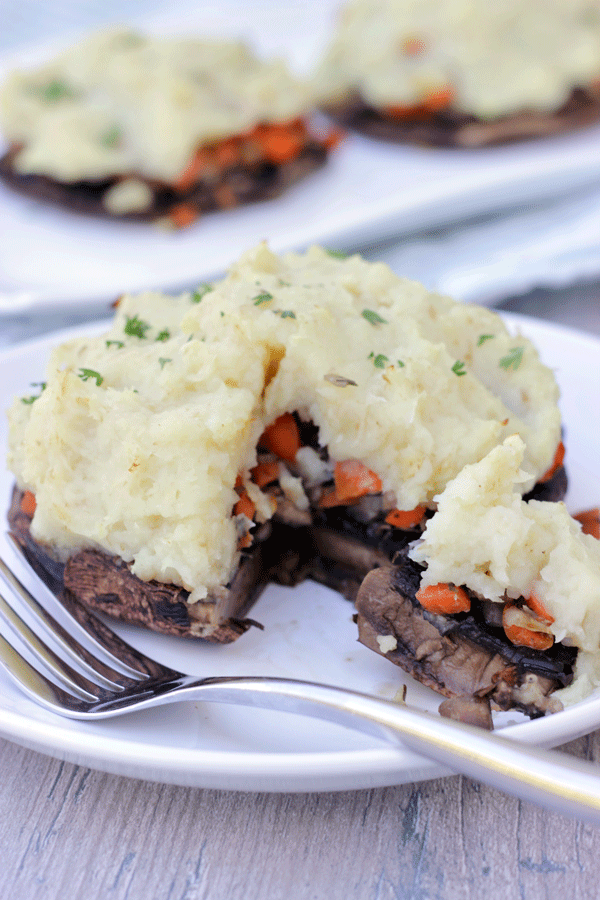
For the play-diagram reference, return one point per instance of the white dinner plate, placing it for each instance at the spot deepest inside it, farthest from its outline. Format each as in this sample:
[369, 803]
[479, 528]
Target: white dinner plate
[308, 634]
[369, 191]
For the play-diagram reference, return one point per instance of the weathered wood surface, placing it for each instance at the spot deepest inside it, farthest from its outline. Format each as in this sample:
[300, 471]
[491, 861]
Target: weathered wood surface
[67, 832]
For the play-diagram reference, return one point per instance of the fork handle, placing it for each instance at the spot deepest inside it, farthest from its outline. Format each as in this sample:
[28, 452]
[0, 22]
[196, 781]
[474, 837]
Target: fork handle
[551, 779]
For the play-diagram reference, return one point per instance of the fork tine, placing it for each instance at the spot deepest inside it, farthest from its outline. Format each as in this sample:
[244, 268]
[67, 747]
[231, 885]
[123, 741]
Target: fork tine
[44, 623]
[67, 678]
[109, 655]
[34, 683]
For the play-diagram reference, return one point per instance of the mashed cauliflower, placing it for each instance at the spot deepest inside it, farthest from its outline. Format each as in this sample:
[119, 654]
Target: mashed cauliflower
[137, 441]
[497, 58]
[120, 101]
[485, 537]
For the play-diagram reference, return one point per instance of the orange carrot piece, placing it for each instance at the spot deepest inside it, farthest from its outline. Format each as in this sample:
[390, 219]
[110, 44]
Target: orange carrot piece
[412, 46]
[353, 480]
[443, 599]
[405, 518]
[590, 521]
[557, 462]
[282, 437]
[183, 215]
[228, 152]
[28, 503]
[245, 506]
[523, 637]
[514, 622]
[438, 99]
[265, 473]
[535, 605]
[192, 172]
[333, 139]
[280, 141]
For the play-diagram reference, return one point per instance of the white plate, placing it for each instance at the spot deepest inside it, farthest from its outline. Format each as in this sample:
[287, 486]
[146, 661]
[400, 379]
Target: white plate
[308, 634]
[369, 191]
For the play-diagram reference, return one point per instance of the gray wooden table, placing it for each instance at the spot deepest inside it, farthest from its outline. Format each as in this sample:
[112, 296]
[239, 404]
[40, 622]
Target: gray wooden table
[67, 832]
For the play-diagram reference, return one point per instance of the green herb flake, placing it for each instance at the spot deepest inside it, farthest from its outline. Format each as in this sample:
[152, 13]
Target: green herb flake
[513, 358]
[112, 137]
[459, 367]
[162, 360]
[201, 291]
[263, 297]
[163, 335]
[287, 314]
[483, 338]
[117, 344]
[400, 363]
[34, 397]
[86, 374]
[136, 327]
[56, 90]
[337, 254]
[374, 318]
[380, 361]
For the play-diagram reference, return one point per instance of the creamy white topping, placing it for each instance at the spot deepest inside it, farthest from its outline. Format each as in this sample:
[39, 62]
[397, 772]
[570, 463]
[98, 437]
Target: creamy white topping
[121, 102]
[498, 57]
[142, 459]
[485, 537]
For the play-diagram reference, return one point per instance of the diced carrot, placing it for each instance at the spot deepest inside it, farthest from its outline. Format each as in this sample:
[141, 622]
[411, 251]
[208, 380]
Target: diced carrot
[282, 437]
[412, 46]
[405, 518]
[183, 215]
[443, 599]
[523, 637]
[245, 540]
[515, 621]
[557, 462]
[245, 506]
[590, 521]
[280, 141]
[265, 473]
[333, 139]
[535, 604]
[28, 503]
[228, 152]
[201, 160]
[436, 100]
[353, 480]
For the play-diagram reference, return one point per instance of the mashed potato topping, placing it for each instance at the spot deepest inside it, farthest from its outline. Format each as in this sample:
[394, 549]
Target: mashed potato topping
[120, 102]
[485, 537]
[496, 58]
[136, 442]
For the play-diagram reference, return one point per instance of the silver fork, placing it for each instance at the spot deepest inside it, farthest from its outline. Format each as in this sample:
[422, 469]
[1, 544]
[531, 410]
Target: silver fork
[70, 662]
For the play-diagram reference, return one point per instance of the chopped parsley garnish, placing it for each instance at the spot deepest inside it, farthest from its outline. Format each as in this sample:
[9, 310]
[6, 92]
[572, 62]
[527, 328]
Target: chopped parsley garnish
[85, 374]
[380, 360]
[56, 90]
[286, 313]
[459, 367]
[400, 363]
[162, 360]
[374, 318]
[337, 254]
[163, 335]
[483, 338]
[201, 291]
[513, 358]
[112, 137]
[136, 327]
[33, 397]
[117, 344]
[263, 297]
